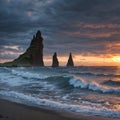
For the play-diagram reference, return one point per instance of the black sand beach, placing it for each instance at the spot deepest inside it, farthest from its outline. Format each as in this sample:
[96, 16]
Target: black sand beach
[15, 111]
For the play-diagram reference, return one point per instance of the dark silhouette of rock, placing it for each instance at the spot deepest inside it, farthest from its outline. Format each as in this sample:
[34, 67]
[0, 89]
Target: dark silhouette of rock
[70, 62]
[55, 62]
[33, 55]
[36, 49]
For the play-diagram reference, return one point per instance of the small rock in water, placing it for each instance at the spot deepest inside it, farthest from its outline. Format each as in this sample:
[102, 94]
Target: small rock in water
[55, 60]
[70, 62]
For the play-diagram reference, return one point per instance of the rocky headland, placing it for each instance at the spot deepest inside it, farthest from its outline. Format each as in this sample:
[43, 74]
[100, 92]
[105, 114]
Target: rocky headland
[33, 55]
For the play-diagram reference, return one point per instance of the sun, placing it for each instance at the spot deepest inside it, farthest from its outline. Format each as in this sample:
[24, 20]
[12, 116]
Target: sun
[116, 58]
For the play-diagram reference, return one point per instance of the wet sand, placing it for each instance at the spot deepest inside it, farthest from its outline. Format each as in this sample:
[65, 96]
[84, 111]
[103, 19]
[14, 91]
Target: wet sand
[15, 111]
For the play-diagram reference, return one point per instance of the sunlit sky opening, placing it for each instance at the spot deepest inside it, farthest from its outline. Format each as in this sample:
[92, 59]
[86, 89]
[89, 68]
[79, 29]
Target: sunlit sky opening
[88, 29]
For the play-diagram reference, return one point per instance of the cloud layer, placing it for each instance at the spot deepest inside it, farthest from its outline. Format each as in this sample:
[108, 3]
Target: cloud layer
[83, 27]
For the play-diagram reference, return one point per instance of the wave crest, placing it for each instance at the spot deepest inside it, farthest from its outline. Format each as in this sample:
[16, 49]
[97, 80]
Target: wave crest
[80, 83]
[29, 75]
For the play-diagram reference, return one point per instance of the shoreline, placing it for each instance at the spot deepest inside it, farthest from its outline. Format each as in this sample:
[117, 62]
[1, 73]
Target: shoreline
[16, 111]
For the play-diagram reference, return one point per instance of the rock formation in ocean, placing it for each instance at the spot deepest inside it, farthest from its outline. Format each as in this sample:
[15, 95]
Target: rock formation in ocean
[33, 55]
[70, 62]
[55, 62]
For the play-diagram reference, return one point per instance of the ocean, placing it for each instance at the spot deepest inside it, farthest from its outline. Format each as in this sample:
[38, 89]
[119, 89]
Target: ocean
[87, 90]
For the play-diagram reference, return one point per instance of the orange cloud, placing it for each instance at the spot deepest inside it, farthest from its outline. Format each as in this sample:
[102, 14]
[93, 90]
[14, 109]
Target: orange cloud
[97, 60]
[98, 25]
[92, 34]
[81, 60]
[95, 30]
[87, 60]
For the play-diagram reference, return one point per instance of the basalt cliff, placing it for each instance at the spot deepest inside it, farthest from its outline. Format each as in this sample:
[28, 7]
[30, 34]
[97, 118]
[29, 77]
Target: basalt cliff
[33, 55]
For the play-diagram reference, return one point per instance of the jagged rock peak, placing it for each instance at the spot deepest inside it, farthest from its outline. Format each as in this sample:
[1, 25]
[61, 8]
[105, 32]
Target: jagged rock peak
[37, 53]
[55, 62]
[37, 39]
[70, 62]
[34, 54]
[38, 34]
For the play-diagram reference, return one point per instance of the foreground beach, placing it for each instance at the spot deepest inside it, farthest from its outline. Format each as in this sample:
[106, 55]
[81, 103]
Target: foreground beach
[15, 111]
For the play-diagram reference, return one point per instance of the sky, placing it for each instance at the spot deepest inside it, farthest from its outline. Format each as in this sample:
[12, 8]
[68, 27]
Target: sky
[90, 29]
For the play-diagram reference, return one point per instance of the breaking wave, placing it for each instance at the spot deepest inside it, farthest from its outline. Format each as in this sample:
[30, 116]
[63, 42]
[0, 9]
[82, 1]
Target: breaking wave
[29, 75]
[69, 81]
[80, 83]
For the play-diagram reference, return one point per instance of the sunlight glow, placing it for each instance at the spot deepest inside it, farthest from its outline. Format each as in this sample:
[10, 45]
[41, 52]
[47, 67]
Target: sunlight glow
[116, 58]
[79, 60]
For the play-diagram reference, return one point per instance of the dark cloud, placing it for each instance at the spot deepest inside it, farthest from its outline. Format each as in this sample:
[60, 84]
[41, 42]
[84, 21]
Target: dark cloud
[80, 26]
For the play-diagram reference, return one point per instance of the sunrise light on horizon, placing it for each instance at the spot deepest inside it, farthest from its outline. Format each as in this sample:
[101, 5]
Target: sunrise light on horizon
[90, 30]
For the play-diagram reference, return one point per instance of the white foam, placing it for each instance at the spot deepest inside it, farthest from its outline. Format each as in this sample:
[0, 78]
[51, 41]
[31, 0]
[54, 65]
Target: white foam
[102, 111]
[14, 81]
[76, 82]
[29, 75]
[11, 80]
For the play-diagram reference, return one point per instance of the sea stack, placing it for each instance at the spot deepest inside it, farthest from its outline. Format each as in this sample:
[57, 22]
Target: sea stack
[36, 49]
[70, 62]
[33, 55]
[55, 62]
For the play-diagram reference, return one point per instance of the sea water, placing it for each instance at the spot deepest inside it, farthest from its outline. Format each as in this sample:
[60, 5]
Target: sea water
[88, 90]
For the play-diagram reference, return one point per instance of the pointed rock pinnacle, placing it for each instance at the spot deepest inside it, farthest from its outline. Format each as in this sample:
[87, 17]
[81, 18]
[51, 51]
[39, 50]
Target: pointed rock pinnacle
[55, 62]
[70, 62]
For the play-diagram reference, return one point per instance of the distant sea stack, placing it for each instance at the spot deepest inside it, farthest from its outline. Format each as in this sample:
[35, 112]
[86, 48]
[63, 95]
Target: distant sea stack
[33, 55]
[70, 62]
[55, 62]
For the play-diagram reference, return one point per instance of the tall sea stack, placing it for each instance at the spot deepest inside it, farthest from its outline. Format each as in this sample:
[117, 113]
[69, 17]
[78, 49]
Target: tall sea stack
[33, 55]
[55, 62]
[36, 49]
[70, 62]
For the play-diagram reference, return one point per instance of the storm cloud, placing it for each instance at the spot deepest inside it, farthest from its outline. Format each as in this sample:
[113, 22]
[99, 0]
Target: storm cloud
[81, 26]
